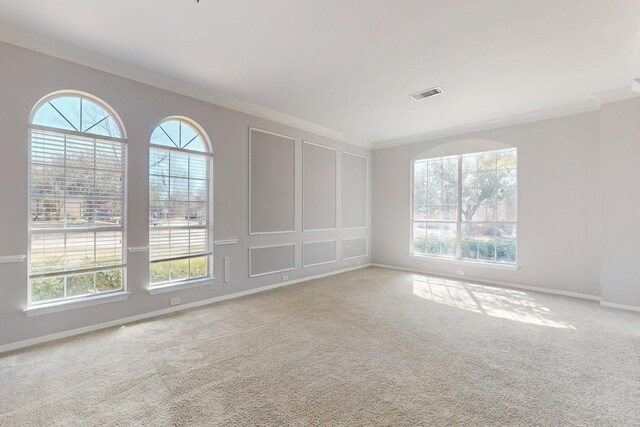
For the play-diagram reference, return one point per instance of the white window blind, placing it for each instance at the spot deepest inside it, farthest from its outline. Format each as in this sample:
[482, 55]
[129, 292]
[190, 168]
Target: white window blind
[465, 206]
[77, 201]
[180, 235]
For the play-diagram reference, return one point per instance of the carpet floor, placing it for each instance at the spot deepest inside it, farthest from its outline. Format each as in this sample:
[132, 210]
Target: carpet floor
[368, 347]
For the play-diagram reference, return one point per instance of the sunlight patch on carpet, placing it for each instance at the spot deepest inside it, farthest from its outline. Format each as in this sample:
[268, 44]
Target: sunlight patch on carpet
[508, 304]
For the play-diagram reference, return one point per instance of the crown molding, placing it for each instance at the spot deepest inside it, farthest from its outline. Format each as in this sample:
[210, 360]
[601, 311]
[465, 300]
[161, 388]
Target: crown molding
[17, 36]
[550, 113]
[593, 104]
[616, 95]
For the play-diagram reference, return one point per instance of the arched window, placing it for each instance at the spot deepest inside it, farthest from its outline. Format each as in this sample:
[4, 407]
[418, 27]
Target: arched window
[464, 206]
[77, 156]
[180, 203]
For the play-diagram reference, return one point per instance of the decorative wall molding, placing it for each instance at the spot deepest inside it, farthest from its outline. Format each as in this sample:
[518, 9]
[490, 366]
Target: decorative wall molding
[136, 249]
[7, 259]
[225, 242]
[335, 258]
[366, 245]
[305, 230]
[366, 193]
[264, 273]
[255, 233]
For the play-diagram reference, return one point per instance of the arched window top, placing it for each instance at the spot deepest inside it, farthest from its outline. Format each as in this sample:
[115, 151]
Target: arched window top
[77, 112]
[181, 133]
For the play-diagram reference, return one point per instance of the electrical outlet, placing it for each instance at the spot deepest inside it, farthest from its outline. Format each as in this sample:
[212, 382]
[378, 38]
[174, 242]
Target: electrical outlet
[175, 301]
[460, 273]
[285, 278]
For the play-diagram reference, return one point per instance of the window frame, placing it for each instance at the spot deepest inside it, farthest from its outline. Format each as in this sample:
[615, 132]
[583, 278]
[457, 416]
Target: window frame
[65, 303]
[459, 222]
[167, 286]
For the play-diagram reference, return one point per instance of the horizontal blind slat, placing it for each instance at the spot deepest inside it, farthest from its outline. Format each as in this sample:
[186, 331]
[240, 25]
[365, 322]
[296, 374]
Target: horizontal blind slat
[179, 203]
[77, 199]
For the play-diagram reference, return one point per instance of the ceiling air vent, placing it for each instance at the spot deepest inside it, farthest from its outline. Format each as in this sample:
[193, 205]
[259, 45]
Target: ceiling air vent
[426, 93]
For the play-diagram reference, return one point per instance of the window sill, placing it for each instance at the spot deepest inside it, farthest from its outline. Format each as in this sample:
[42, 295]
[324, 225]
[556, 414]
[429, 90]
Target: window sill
[461, 262]
[170, 287]
[55, 307]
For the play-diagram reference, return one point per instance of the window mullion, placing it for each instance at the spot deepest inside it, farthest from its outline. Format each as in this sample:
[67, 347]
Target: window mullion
[93, 203]
[169, 198]
[64, 210]
[188, 204]
[459, 223]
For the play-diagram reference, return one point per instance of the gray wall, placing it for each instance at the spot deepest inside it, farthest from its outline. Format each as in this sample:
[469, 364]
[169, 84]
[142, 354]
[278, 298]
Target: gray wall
[620, 148]
[26, 77]
[559, 207]
[578, 200]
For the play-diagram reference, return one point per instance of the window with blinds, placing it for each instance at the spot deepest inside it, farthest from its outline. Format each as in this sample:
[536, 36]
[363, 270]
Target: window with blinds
[77, 156]
[180, 225]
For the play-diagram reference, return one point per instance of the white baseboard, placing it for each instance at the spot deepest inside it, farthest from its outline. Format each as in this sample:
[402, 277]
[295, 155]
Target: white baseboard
[493, 282]
[118, 322]
[620, 306]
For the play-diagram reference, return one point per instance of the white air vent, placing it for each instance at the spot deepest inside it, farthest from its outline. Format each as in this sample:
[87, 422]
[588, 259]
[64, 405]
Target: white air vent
[426, 93]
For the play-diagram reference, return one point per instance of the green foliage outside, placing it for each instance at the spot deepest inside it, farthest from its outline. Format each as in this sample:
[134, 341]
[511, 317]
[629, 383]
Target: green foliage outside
[52, 288]
[108, 280]
[482, 250]
[489, 250]
[183, 269]
[46, 289]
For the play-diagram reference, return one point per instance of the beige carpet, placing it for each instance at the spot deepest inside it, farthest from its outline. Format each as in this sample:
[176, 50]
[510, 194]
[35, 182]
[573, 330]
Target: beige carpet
[370, 347]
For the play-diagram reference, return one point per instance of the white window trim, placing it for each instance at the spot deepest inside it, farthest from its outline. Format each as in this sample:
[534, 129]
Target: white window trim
[458, 260]
[72, 304]
[466, 262]
[177, 286]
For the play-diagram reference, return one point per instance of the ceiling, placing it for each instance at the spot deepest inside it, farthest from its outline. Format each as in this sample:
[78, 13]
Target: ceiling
[346, 68]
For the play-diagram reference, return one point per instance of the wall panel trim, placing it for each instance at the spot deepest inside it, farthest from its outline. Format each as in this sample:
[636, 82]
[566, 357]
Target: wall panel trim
[335, 259]
[274, 271]
[366, 200]
[306, 230]
[293, 139]
[366, 245]
[6, 259]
